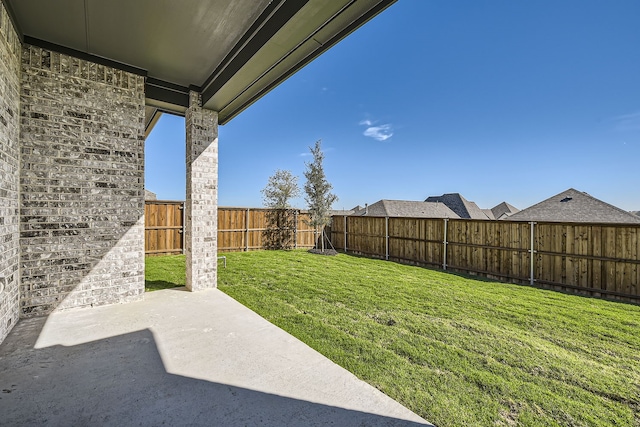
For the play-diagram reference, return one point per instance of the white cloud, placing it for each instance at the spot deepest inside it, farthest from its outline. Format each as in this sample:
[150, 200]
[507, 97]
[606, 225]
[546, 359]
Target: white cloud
[628, 122]
[379, 133]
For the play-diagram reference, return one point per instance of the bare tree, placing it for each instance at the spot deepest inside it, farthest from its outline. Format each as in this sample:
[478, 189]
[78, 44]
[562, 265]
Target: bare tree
[318, 192]
[281, 187]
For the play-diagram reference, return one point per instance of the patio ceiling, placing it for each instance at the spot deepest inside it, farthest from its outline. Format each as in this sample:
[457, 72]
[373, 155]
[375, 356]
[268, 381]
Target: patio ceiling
[232, 51]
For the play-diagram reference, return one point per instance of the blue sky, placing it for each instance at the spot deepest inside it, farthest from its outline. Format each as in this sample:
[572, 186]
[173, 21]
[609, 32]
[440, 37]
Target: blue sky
[498, 100]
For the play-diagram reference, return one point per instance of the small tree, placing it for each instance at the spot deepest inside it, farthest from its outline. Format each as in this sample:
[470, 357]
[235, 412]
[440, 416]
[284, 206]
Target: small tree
[318, 192]
[281, 187]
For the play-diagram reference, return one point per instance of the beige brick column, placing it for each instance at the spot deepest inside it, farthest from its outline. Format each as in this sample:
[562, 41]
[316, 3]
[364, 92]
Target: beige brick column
[201, 204]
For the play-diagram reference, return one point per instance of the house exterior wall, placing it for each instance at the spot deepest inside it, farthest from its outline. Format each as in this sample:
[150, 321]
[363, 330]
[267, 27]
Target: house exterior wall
[9, 177]
[81, 183]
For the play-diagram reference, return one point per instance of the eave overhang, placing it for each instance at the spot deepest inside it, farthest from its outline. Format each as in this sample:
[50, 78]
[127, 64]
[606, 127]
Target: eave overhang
[231, 51]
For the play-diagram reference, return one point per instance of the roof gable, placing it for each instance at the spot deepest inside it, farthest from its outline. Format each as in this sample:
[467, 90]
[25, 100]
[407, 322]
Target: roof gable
[489, 213]
[503, 210]
[574, 206]
[461, 206]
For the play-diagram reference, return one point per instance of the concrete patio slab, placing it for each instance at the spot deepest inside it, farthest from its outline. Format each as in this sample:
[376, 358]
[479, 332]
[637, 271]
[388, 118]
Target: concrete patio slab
[178, 358]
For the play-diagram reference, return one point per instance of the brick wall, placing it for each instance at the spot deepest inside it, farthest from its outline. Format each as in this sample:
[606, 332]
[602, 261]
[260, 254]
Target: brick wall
[81, 182]
[9, 165]
[201, 204]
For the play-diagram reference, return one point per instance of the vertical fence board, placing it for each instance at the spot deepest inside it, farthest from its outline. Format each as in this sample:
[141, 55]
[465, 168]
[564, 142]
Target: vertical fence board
[596, 250]
[635, 254]
[337, 231]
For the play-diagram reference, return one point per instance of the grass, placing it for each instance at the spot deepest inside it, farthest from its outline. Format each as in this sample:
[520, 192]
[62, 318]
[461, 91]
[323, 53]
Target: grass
[456, 350]
[164, 272]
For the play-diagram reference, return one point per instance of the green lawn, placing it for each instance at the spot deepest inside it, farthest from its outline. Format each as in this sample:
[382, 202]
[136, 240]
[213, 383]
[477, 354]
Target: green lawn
[456, 350]
[163, 272]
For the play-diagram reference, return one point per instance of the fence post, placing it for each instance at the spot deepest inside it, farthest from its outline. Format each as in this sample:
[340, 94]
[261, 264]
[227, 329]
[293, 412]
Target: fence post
[386, 239]
[184, 245]
[345, 234]
[246, 236]
[444, 256]
[531, 255]
[295, 230]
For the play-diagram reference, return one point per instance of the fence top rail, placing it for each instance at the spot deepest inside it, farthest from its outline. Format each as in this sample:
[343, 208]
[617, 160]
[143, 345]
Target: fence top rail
[162, 202]
[412, 217]
[581, 224]
[506, 221]
[493, 221]
[228, 208]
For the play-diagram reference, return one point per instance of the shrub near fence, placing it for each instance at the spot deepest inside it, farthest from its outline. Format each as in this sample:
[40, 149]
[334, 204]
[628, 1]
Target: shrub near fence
[239, 229]
[592, 259]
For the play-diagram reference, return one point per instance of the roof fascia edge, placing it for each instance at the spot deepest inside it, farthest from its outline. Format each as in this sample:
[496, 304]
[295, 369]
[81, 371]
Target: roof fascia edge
[148, 127]
[224, 118]
[168, 92]
[261, 31]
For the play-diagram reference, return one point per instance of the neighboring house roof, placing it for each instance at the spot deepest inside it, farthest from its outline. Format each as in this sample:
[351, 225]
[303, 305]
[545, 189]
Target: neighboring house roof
[574, 206]
[341, 212]
[406, 208]
[635, 213]
[489, 213]
[503, 210]
[149, 195]
[461, 206]
[346, 211]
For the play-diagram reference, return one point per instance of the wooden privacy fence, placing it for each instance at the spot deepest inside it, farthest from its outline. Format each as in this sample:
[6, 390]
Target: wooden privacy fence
[592, 259]
[163, 226]
[239, 229]
[243, 229]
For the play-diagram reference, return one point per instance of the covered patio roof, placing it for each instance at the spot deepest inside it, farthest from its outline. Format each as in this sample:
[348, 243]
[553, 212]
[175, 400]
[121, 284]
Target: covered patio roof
[231, 51]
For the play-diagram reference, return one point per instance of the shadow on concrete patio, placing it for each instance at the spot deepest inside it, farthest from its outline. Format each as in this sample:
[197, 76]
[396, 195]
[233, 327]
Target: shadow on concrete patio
[50, 373]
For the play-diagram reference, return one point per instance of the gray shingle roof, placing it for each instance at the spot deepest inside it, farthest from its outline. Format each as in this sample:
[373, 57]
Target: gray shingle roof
[460, 205]
[574, 206]
[406, 208]
[488, 213]
[341, 212]
[503, 210]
